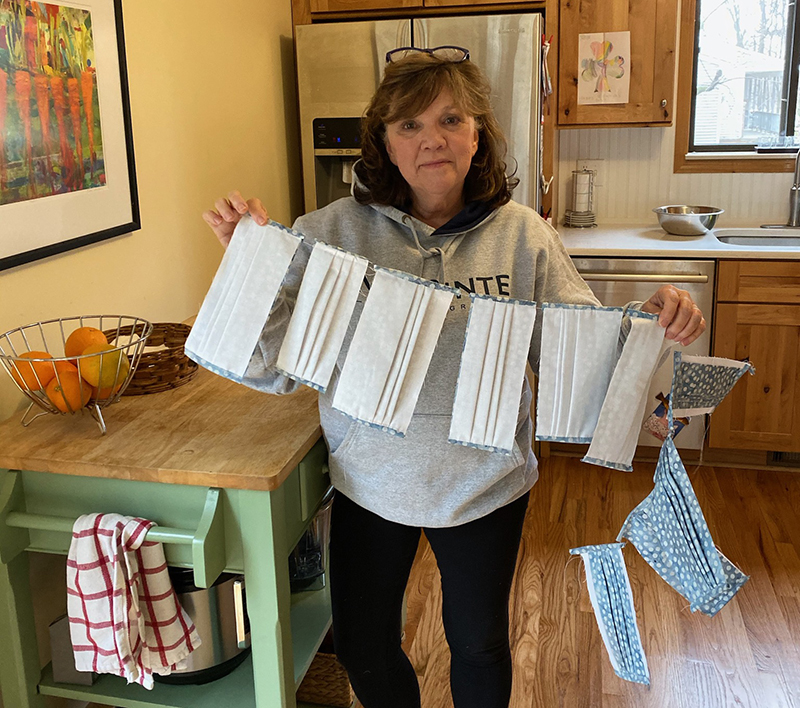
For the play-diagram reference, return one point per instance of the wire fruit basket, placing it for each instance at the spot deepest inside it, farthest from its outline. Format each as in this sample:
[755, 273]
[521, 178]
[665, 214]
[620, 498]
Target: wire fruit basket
[35, 357]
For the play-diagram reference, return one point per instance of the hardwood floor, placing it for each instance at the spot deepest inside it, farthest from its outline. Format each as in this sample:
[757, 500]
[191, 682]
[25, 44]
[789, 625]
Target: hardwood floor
[748, 655]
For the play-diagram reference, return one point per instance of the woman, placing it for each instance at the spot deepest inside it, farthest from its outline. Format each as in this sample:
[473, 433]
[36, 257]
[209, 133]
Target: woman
[432, 199]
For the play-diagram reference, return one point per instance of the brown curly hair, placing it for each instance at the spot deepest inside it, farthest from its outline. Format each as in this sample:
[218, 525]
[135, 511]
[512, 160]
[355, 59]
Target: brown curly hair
[409, 86]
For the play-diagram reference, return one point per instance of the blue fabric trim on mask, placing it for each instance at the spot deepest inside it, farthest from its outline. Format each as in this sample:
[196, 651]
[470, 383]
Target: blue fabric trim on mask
[301, 380]
[644, 315]
[612, 601]
[556, 438]
[606, 463]
[280, 226]
[670, 532]
[570, 306]
[213, 367]
[418, 280]
[485, 448]
[374, 426]
[504, 300]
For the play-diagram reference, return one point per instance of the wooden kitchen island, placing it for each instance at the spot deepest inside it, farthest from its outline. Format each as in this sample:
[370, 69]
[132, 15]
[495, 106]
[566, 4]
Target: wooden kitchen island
[232, 477]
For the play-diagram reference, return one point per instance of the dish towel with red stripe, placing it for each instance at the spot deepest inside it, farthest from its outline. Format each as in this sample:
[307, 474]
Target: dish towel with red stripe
[124, 616]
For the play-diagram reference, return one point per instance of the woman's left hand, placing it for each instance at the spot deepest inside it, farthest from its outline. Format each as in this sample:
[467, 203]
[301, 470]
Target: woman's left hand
[678, 313]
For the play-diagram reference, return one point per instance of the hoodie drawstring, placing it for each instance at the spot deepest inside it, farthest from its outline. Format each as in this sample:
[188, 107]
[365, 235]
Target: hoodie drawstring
[427, 253]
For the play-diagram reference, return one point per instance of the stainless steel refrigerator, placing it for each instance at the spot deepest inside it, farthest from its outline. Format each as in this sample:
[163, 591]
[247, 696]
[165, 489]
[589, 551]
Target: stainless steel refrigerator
[339, 66]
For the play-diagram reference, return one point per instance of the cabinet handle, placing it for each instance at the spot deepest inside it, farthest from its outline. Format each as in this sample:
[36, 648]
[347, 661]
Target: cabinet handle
[663, 102]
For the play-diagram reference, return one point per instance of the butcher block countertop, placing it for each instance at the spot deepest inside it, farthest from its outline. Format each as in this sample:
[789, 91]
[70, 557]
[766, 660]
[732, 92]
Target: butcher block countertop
[210, 432]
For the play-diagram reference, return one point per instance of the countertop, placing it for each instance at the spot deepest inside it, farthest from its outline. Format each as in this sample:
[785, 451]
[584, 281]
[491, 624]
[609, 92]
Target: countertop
[209, 432]
[650, 241]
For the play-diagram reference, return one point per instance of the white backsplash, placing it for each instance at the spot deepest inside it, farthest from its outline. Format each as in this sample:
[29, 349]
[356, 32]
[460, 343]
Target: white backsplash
[635, 176]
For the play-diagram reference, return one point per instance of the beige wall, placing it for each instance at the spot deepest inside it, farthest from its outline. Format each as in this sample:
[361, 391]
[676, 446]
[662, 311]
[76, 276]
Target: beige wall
[213, 104]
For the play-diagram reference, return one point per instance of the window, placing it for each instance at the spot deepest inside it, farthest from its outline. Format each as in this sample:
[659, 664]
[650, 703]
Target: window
[745, 82]
[737, 86]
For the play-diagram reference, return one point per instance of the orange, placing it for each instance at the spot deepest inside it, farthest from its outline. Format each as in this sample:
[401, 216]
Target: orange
[101, 370]
[70, 393]
[103, 393]
[81, 338]
[64, 366]
[25, 373]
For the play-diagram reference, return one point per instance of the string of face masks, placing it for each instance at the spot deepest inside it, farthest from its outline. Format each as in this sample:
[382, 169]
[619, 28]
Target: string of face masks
[589, 392]
[394, 340]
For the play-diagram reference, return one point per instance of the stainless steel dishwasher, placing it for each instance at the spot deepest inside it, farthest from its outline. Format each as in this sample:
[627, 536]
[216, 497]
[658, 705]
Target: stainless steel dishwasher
[618, 281]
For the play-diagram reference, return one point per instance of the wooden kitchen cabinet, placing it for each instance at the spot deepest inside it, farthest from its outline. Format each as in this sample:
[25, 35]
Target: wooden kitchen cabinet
[357, 6]
[758, 317]
[475, 4]
[653, 27]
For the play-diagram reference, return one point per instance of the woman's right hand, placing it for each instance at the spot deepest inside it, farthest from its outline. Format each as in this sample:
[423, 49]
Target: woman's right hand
[227, 212]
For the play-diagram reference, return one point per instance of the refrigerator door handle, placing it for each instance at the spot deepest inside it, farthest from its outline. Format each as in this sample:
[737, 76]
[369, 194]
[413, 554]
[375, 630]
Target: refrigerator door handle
[419, 33]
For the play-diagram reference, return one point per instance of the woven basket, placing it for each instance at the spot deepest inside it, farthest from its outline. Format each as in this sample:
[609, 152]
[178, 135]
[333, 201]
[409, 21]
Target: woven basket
[326, 683]
[162, 369]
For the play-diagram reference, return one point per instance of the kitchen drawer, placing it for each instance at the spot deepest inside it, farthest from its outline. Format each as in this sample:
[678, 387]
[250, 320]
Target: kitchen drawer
[759, 281]
[302, 492]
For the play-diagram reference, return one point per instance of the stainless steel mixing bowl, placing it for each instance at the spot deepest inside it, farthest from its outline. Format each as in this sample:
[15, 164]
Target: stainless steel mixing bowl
[682, 220]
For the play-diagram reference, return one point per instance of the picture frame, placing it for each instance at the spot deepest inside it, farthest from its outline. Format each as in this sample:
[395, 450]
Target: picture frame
[70, 181]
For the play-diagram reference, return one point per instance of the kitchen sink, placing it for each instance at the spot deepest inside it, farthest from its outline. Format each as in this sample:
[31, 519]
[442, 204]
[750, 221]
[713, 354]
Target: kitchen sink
[764, 238]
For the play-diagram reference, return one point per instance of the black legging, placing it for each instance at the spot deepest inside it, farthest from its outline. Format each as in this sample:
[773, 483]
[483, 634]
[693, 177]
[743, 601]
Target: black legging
[371, 560]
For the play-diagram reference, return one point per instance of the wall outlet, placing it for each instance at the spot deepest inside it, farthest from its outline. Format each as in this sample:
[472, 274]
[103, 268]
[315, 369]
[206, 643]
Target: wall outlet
[596, 165]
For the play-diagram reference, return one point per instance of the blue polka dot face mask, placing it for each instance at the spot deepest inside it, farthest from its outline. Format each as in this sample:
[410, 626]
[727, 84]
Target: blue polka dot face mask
[699, 383]
[612, 602]
[670, 532]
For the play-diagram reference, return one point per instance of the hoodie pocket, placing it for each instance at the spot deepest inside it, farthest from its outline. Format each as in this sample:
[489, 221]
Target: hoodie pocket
[422, 478]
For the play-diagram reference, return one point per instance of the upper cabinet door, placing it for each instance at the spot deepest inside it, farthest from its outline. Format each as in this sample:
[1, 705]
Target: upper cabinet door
[653, 28]
[360, 5]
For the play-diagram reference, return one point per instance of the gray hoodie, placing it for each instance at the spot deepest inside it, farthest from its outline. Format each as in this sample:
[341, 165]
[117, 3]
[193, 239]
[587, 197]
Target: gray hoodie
[422, 479]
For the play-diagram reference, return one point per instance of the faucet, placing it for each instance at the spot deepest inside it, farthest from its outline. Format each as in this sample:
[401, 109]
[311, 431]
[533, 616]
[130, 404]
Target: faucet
[794, 201]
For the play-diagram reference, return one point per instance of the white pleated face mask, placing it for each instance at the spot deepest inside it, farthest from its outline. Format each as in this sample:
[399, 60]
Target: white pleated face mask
[492, 370]
[324, 306]
[391, 350]
[614, 440]
[578, 354]
[241, 296]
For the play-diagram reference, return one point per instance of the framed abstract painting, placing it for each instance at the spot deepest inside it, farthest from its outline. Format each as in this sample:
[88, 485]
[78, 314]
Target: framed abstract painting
[67, 173]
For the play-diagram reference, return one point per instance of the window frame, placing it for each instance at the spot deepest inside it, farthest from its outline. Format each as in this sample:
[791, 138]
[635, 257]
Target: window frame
[707, 161]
